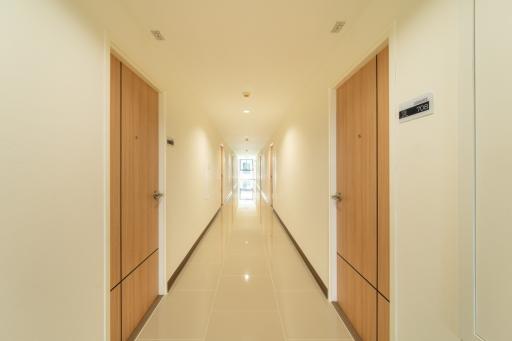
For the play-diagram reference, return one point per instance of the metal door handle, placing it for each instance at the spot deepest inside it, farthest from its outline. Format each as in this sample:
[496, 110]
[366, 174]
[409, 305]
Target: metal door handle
[337, 196]
[157, 195]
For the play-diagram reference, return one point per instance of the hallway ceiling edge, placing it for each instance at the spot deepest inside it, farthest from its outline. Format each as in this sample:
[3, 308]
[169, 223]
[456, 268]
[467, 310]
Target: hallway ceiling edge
[215, 50]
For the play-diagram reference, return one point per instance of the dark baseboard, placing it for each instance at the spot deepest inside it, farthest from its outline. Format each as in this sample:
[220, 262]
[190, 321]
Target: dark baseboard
[176, 273]
[347, 322]
[321, 284]
[144, 319]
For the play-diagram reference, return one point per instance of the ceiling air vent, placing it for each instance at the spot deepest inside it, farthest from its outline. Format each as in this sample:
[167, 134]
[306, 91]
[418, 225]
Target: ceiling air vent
[337, 27]
[158, 35]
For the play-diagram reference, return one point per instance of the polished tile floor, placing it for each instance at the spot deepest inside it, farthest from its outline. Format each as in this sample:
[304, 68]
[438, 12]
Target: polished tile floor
[245, 282]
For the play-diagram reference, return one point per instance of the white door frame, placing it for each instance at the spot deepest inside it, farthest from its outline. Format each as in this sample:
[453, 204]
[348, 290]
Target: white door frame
[467, 174]
[333, 231]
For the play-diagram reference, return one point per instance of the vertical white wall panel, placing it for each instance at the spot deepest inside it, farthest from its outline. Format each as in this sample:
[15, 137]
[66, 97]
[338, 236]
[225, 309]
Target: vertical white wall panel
[493, 249]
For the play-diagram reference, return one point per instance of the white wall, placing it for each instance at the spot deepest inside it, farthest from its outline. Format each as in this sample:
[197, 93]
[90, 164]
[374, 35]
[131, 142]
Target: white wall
[493, 295]
[424, 55]
[54, 107]
[193, 182]
[52, 152]
[484, 168]
[424, 176]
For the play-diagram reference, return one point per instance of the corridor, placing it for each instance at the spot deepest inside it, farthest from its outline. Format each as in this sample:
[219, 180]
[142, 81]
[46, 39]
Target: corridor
[244, 282]
[231, 170]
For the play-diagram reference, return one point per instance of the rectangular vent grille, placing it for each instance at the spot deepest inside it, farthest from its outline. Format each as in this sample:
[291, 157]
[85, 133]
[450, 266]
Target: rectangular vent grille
[337, 27]
[158, 35]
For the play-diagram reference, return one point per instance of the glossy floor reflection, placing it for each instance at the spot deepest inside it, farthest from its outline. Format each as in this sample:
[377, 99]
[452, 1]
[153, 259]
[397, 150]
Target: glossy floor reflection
[245, 282]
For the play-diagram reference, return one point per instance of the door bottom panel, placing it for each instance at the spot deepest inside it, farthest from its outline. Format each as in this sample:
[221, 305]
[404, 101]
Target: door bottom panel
[139, 290]
[358, 300]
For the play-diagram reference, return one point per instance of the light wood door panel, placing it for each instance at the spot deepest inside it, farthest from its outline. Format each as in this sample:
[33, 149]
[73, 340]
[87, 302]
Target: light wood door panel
[139, 290]
[139, 162]
[115, 314]
[357, 171]
[115, 171]
[383, 318]
[358, 300]
[383, 170]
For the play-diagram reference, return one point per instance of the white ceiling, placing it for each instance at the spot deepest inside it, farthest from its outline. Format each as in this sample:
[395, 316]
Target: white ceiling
[216, 49]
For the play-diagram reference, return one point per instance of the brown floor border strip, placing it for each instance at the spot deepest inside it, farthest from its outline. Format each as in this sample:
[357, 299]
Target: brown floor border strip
[144, 319]
[176, 273]
[347, 322]
[319, 281]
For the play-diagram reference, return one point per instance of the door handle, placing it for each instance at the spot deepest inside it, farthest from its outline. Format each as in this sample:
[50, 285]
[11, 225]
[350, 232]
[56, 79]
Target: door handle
[157, 195]
[337, 196]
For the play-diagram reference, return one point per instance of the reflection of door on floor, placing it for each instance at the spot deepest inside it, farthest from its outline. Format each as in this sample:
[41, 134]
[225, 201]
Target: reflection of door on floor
[246, 189]
[222, 160]
[247, 180]
[271, 174]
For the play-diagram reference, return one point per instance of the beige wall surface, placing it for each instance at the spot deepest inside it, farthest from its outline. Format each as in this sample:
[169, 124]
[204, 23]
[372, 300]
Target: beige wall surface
[53, 71]
[54, 103]
[493, 122]
[193, 182]
[424, 56]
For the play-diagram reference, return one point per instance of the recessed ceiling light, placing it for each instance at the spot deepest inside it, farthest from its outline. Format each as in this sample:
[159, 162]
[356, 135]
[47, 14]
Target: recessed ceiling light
[247, 111]
[157, 34]
[337, 26]
[247, 277]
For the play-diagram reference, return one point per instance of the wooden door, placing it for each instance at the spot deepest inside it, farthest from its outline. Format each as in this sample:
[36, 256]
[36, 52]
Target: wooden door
[357, 171]
[115, 314]
[139, 291]
[358, 299]
[363, 212]
[133, 209]
[139, 163]
[383, 318]
[115, 171]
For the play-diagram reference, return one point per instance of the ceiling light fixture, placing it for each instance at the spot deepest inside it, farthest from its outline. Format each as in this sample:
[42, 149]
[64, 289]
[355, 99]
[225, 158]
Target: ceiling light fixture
[158, 35]
[247, 111]
[337, 26]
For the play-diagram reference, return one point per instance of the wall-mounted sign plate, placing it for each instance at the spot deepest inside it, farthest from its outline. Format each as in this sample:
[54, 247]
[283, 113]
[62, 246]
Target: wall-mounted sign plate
[419, 107]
